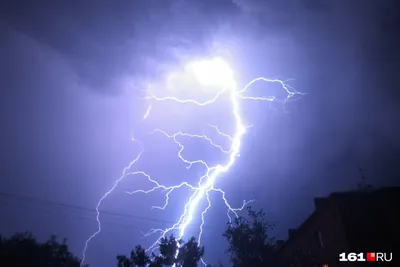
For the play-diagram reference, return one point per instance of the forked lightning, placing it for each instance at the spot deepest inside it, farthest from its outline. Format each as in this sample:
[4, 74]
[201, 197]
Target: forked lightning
[214, 73]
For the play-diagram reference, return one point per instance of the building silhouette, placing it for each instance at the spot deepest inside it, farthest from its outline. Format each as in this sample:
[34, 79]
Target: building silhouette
[366, 220]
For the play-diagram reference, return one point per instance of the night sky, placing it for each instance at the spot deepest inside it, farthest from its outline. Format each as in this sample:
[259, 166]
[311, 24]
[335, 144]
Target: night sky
[71, 79]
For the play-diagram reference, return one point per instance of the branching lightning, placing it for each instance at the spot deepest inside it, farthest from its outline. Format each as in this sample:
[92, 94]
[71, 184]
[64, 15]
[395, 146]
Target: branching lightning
[212, 72]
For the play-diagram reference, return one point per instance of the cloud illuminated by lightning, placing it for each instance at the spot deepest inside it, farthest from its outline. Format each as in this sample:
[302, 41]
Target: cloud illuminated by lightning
[214, 73]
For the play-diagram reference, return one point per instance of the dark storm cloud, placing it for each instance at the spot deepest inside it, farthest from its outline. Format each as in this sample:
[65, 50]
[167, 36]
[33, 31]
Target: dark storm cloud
[106, 40]
[98, 40]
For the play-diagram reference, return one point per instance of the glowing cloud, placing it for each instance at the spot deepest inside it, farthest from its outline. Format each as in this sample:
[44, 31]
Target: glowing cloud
[215, 72]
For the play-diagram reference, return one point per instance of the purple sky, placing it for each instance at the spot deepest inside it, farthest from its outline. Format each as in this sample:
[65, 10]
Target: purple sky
[69, 109]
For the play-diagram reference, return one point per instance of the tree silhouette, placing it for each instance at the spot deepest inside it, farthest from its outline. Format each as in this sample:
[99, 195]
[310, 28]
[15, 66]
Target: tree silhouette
[188, 256]
[249, 241]
[22, 249]
[138, 258]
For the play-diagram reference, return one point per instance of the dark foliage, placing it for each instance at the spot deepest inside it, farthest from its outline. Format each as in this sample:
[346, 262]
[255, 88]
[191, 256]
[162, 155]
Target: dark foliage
[189, 255]
[22, 249]
[249, 241]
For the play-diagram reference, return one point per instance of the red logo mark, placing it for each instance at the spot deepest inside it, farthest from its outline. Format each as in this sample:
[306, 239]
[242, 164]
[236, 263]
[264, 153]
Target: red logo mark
[370, 256]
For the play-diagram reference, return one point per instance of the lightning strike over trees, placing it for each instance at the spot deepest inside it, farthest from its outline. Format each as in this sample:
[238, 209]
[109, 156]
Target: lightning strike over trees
[215, 76]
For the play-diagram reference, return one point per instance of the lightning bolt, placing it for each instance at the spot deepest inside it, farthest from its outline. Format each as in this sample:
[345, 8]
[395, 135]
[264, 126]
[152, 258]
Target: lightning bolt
[207, 182]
